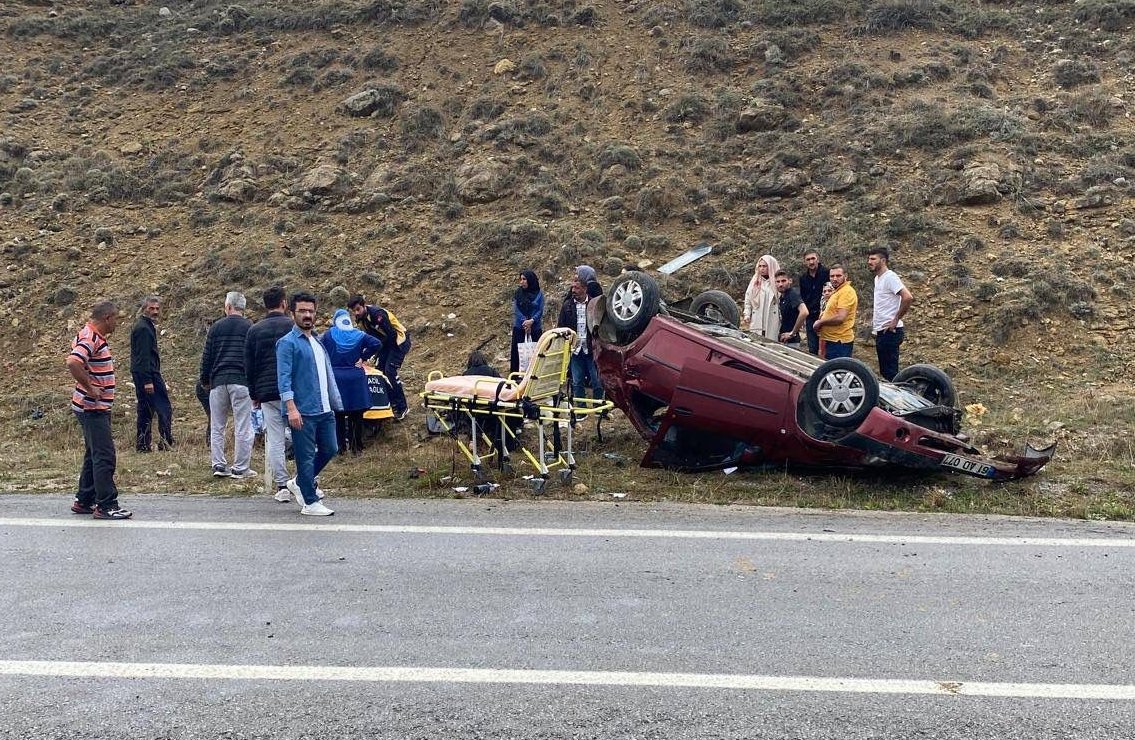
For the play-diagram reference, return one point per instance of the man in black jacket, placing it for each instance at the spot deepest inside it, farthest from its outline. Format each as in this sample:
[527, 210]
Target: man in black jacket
[222, 373]
[811, 284]
[382, 323]
[146, 372]
[260, 368]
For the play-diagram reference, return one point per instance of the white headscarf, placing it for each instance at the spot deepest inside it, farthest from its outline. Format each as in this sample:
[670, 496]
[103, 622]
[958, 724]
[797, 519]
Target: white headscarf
[762, 303]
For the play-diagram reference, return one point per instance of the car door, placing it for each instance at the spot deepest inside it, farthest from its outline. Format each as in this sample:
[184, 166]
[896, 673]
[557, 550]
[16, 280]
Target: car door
[720, 414]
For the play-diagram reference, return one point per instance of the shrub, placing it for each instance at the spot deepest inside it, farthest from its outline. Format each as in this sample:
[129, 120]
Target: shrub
[377, 58]
[789, 13]
[688, 107]
[713, 13]
[708, 55]
[333, 77]
[532, 68]
[1111, 15]
[486, 109]
[656, 203]
[616, 153]
[899, 15]
[1069, 73]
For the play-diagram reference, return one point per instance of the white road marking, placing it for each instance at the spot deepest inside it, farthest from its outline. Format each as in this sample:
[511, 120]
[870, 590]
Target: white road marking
[392, 674]
[690, 534]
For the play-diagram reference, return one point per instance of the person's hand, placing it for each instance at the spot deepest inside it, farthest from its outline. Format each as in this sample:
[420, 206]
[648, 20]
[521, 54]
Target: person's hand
[255, 404]
[527, 324]
[783, 337]
[295, 421]
[148, 387]
[816, 325]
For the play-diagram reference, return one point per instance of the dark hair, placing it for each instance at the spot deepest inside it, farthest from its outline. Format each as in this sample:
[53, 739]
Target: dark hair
[881, 251]
[274, 296]
[103, 310]
[476, 358]
[301, 297]
[781, 272]
[812, 251]
[356, 300]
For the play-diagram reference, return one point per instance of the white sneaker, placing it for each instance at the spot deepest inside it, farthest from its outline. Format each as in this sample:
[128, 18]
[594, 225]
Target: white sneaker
[283, 495]
[294, 487]
[243, 474]
[316, 509]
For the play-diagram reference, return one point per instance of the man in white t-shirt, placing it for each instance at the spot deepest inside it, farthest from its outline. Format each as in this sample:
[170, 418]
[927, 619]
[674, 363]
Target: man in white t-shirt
[892, 299]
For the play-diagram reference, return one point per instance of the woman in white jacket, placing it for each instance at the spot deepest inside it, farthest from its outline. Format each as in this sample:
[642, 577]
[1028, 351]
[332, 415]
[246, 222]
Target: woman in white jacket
[762, 311]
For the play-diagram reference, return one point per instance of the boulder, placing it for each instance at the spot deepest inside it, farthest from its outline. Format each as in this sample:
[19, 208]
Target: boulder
[237, 191]
[761, 115]
[481, 181]
[323, 179]
[785, 183]
[981, 184]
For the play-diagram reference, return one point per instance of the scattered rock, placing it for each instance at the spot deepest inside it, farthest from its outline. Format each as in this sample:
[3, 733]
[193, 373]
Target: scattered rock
[761, 115]
[481, 181]
[837, 180]
[323, 179]
[504, 66]
[781, 184]
[131, 148]
[237, 191]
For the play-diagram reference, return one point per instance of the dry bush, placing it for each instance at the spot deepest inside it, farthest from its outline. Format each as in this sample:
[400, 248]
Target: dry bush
[1110, 15]
[791, 13]
[1069, 73]
[708, 55]
[688, 107]
[900, 15]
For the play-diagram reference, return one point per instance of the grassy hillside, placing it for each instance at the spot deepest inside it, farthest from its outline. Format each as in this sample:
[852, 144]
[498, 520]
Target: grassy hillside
[423, 152]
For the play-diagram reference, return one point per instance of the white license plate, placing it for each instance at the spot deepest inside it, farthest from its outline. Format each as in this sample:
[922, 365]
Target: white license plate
[973, 467]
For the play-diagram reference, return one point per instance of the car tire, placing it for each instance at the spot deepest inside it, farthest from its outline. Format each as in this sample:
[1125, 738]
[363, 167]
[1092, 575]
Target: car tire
[634, 299]
[717, 306]
[928, 382]
[842, 392]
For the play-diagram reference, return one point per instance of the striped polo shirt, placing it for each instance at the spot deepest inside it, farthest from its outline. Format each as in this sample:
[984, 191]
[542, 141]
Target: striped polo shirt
[91, 347]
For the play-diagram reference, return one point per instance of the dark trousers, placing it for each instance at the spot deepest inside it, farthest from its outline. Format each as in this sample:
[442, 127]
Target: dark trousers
[96, 481]
[150, 404]
[813, 337]
[887, 347]
[389, 360]
[349, 431]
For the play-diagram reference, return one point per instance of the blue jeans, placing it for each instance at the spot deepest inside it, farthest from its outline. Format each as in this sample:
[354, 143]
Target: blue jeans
[837, 349]
[887, 347]
[148, 405]
[584, 374]
[314, 446]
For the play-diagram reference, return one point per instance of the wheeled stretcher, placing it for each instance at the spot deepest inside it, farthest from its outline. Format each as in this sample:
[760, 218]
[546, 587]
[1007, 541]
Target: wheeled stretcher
[497, 407]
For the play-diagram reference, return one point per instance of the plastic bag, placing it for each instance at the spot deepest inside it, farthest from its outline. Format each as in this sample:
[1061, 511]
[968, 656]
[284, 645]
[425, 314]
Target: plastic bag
[526, 352]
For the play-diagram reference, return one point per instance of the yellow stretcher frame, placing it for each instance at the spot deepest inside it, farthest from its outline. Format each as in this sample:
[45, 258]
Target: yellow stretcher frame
[537, 396]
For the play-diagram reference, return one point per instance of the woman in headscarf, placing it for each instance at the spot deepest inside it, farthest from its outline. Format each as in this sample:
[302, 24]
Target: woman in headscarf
[348, 348]
[761, 310]
[527, 315]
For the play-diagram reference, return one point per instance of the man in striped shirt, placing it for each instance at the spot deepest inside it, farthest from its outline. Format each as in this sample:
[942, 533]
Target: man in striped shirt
[92, 367]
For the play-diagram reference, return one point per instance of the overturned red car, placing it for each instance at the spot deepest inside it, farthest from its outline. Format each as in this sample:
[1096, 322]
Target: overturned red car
[706, 395]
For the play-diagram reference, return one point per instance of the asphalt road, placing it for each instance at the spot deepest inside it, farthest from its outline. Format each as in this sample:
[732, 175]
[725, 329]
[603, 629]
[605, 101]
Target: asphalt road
[237, 618]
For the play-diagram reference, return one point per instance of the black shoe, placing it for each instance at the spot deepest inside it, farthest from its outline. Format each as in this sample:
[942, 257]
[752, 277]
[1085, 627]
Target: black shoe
[398, 417]
[115, 513]
[142, 449]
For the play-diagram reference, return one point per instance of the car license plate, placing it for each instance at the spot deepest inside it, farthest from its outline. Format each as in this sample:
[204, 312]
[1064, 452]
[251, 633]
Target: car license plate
[973, 467]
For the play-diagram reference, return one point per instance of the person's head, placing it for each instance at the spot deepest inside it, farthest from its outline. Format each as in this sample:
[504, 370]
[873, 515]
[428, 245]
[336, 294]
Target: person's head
[105, 317]
[812, 260]
[762, 267]
[477, 358]
[877, 259]
[838, 276]
[827, 290]
[528, 281]
[357, 306]
[303, 305]
[275, 298]
[783, 282]
[584, 274]
[235, 302]
[150, 307]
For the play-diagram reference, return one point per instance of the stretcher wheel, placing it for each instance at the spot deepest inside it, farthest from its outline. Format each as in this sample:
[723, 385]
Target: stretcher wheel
[506, 468]
[538, 484]
[565, 477]
[480, 476]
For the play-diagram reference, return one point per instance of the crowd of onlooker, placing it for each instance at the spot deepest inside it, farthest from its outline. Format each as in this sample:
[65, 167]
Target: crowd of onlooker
[280, 377]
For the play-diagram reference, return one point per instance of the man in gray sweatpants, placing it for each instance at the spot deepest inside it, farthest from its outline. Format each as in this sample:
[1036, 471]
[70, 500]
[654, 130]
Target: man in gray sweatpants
[222, 374]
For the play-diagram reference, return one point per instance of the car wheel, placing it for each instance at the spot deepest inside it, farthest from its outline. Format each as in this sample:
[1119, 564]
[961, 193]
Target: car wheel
[717, 306]
[842, 392]
[632, 302]
[930, 383]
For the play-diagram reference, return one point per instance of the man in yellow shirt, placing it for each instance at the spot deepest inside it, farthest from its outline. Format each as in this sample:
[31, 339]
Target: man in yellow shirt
[836, 325]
